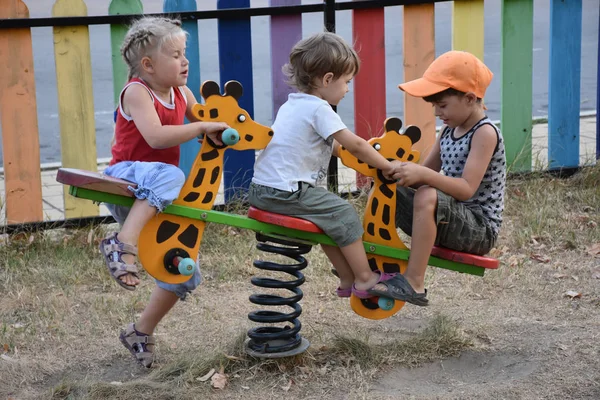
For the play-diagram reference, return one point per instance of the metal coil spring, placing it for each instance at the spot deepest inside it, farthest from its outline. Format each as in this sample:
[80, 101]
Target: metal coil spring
[274, 339]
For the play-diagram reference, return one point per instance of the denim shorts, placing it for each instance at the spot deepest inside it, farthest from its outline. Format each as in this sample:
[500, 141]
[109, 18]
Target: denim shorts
[160, 184]
[334, 215]
[460, 226]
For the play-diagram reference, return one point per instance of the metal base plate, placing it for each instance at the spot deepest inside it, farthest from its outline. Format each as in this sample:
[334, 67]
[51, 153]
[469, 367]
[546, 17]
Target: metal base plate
[298, 350]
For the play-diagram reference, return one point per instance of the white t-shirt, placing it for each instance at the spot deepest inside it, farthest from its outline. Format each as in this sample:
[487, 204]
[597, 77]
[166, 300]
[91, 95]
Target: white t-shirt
[301, 146]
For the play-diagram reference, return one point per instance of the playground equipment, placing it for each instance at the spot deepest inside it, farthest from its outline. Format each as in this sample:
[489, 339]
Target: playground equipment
[169, 242]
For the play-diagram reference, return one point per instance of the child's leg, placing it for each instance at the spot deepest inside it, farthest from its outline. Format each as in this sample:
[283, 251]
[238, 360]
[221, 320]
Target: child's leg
[424, 231]
[158, 184]
[344, 272]
[161, 302]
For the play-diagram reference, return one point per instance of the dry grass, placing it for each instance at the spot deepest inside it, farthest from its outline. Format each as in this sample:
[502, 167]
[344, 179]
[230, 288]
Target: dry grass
[511, 334]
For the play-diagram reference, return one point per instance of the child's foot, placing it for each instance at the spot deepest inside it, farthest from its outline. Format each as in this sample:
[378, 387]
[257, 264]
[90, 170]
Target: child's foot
[343, 292]
[116, 254]
[400, 289]
[394, 286]
[139, 344]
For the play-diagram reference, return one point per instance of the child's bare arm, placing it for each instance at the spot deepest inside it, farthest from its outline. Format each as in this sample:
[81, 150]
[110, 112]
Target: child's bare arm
[138, 104]
[362, 150]
[461, 188]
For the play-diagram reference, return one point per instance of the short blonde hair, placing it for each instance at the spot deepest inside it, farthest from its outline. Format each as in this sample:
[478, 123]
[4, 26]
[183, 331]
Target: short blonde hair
[145, 36]
[313, 57]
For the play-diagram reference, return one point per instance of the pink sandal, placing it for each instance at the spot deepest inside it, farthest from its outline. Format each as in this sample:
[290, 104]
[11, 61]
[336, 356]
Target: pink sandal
[366, 294]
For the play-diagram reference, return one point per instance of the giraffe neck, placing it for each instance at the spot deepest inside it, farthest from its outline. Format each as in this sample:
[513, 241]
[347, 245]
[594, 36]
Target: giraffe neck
[202, 185]
[379, 220]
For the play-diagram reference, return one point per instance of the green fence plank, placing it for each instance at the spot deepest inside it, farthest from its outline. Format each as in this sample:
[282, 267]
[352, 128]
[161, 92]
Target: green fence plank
[516, 89]
[117, 33]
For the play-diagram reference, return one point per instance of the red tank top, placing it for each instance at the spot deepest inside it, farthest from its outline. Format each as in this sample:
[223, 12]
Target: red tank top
[130, 145]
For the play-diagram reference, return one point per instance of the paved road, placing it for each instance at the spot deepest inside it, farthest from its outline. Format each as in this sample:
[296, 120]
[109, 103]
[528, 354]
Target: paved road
[102, 73]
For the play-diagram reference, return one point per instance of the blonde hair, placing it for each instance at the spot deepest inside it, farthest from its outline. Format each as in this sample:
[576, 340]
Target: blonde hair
[145, 36]
[313, 57]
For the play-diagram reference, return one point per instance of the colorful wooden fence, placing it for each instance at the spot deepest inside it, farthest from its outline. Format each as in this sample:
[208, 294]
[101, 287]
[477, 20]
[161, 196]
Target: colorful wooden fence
[76, 109]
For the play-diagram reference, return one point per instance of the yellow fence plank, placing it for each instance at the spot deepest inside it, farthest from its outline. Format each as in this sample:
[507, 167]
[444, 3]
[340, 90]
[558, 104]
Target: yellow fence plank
[467, 26]
[75, 100]
[419, 52]
[18, 115]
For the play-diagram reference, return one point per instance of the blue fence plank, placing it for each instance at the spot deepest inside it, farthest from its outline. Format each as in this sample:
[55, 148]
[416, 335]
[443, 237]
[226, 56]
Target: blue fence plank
[564, 83]
[191, 148]
[235, 63]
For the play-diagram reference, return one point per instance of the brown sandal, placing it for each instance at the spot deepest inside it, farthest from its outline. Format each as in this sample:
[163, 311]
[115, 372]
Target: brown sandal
[140, 345]
[112, 249]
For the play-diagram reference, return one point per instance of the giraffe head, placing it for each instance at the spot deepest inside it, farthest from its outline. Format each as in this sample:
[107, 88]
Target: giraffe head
[225, 108]
[393, 145]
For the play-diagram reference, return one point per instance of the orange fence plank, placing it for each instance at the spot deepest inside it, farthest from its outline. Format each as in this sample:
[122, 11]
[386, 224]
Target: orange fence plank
[419, 52]
[18, 113]
[369, 85]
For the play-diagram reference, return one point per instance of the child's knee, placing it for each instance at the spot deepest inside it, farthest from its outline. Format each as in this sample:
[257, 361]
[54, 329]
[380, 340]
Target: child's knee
[425, 199]
[182, 289]
[173, 175]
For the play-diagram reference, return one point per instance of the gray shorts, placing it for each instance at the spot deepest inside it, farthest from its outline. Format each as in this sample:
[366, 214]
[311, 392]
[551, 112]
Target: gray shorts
[460, 226]
[334, 215]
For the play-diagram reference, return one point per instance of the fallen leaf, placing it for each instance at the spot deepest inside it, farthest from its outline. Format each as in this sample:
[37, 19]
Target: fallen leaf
[559, 276]
[594, 250]
[287, 387]
[245, 387]
[518, 192]
[540, 258]
[573, 294]
[219, 381]
[6, 347]
[207, 376]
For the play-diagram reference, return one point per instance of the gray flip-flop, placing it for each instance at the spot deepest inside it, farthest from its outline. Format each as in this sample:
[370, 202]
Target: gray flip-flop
[398, 288]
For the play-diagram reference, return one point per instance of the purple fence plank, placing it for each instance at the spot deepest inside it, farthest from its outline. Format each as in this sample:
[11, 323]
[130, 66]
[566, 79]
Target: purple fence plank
[286, 30]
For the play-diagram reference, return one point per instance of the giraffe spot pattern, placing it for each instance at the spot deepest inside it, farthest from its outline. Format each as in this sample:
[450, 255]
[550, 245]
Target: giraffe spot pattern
[201, 113]
[199, 177]
[386, 191]
[374, 205]
[192, 196]
[215, 175]
[384, 234]
[400, 153]
[165, 231]
[386, 214]
[371, 229]
[214, 113]
[189, 237]
[210, 155]
[373, 263]
[391, 268]
[249, 138]
[207, 198]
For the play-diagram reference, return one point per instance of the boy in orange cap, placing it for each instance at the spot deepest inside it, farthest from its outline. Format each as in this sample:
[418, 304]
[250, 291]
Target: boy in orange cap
[460, 209]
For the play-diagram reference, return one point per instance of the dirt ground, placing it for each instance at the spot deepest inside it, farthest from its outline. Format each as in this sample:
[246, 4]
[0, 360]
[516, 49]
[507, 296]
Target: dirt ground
[529, 330]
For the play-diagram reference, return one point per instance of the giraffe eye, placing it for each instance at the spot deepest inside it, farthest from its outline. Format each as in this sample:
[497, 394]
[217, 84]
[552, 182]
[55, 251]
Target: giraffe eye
[377, 146]
[241, 118]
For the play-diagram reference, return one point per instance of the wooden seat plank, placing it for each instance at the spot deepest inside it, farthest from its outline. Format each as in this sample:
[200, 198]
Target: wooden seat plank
[94, 181]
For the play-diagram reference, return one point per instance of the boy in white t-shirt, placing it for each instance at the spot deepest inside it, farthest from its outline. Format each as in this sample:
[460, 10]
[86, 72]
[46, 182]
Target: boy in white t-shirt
[288, 172]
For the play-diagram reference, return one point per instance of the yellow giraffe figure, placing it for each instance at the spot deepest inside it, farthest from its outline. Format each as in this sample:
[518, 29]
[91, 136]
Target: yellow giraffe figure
[379, 218]
[167, 233]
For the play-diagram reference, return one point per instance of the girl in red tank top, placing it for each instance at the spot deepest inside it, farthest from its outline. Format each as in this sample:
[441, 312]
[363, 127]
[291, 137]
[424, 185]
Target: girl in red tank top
[145, 150]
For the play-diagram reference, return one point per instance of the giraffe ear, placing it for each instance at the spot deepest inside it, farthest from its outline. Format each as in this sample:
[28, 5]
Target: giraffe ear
[414, 133]
[393, 124]
[209, 88]
[234, 89]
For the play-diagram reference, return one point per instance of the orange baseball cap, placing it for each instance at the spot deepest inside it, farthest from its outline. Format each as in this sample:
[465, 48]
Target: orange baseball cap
[458, 70]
